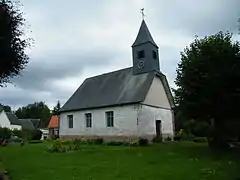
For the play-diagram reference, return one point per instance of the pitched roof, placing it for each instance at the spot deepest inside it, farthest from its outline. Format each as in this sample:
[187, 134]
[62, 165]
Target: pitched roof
[114, 88]
[144, 35]
[54, 122]
[13, 118]
[27, 124]
[30, 124]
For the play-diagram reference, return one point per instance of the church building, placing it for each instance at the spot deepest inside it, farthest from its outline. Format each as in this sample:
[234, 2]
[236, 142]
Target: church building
[128, 103]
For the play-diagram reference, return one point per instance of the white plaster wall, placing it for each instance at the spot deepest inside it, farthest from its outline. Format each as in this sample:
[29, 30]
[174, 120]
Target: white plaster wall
[147, 117]
[156, 95]
[4, 122]
[125, 122]
[15, 127]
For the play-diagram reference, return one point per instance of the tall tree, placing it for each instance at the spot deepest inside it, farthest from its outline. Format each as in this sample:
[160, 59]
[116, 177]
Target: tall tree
[5, 108]
[12, 42]
[56, 108]
[37, 110]
[208, 88]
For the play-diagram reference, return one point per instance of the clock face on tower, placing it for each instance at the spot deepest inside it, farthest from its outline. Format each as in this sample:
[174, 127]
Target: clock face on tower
[141, 64]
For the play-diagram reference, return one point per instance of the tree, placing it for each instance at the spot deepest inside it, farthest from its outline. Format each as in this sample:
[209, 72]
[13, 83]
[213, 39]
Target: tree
[5, 108]
[38, 110]
[12, 41]
[56, 109]
[208, 88]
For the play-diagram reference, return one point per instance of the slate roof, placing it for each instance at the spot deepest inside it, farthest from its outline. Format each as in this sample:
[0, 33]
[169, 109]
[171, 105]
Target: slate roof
[13, 118]
[30, 124]
[144, 36]
[114, 88]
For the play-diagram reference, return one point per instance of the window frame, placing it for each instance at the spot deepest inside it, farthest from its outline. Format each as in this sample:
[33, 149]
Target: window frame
[88, 120]
[109, 118]
[70, 118]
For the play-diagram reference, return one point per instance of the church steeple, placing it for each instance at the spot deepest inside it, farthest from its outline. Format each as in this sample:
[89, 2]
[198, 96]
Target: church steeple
[144, 36]
[144, 52]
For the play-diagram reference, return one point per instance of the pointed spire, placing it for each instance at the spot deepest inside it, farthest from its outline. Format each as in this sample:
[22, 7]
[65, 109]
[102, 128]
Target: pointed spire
[144, 35]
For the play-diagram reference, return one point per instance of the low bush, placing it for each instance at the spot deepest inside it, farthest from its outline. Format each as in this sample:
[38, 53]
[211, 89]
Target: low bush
[114, 143]
[177, 138]
[200, 139]
[98, 141]
[168, 139]
[143, 142]
[5, 133]
[183, 136]
[157, 139]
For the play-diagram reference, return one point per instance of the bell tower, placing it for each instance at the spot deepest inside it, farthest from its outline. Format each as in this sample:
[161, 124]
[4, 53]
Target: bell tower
[144, 52]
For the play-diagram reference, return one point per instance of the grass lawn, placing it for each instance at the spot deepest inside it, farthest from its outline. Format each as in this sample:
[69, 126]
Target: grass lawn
[172, 161]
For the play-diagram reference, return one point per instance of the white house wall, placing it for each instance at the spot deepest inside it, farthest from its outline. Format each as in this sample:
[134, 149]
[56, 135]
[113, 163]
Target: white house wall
[4, 122]
[147, 117]
[156, 95]
[125, 122]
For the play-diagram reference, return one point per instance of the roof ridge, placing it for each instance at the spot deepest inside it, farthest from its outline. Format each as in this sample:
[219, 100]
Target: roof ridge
[109, 73]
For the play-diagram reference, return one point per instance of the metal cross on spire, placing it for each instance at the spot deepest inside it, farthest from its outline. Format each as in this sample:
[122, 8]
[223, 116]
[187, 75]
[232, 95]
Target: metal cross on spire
[143, 15]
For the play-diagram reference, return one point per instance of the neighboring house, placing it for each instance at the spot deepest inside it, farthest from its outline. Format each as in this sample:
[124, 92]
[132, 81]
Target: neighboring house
[9, 120]
[30, 124]
[128, 103]
[53, 126]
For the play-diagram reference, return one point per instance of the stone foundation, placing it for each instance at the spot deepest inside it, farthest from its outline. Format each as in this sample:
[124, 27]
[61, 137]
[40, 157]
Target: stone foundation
[109, 138]
[115, 138]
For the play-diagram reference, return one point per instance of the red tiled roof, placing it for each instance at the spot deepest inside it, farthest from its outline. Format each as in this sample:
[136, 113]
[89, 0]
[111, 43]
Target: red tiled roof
[54, 122]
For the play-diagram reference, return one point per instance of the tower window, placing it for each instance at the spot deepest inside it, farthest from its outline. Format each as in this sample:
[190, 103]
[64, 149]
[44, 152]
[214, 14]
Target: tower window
[141, 54]
[154, 54]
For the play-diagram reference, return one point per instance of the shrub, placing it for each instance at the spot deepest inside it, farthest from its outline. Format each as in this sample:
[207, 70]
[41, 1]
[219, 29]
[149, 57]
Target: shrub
[182, 135]
[168, 139]
[36, 134]
[98, 141]
[5, 133]
[200, 139]
[56, 146]
[177, 138]
[157, 139]
[114, 143]
[143, 142]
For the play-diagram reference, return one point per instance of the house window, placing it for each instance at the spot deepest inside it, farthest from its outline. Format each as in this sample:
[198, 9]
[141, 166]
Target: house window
[88, 117]
[154, 53]
[109, 118]
[70, 121]
[141, 54]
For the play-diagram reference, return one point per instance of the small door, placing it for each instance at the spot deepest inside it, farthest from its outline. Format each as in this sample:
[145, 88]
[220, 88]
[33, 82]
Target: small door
[158, 127]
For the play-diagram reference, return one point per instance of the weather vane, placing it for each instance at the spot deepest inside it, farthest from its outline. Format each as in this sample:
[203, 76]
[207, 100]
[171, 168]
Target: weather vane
[143, 15]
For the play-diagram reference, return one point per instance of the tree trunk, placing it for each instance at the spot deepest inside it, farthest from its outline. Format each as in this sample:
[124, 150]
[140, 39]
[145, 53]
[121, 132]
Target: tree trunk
[217, 138]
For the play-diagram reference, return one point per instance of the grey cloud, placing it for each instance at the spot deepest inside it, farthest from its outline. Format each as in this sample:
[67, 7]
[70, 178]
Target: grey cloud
[40, 73]
[196, 17]
[61, 29]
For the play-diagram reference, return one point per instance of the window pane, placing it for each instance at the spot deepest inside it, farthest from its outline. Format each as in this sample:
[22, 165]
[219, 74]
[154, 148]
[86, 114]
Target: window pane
[154, 54]
[109, 118]
[70, 121]
[141, 54]
[88, 117]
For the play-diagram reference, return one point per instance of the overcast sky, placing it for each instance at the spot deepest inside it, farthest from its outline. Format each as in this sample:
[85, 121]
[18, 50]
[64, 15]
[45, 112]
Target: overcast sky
[79, 39]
